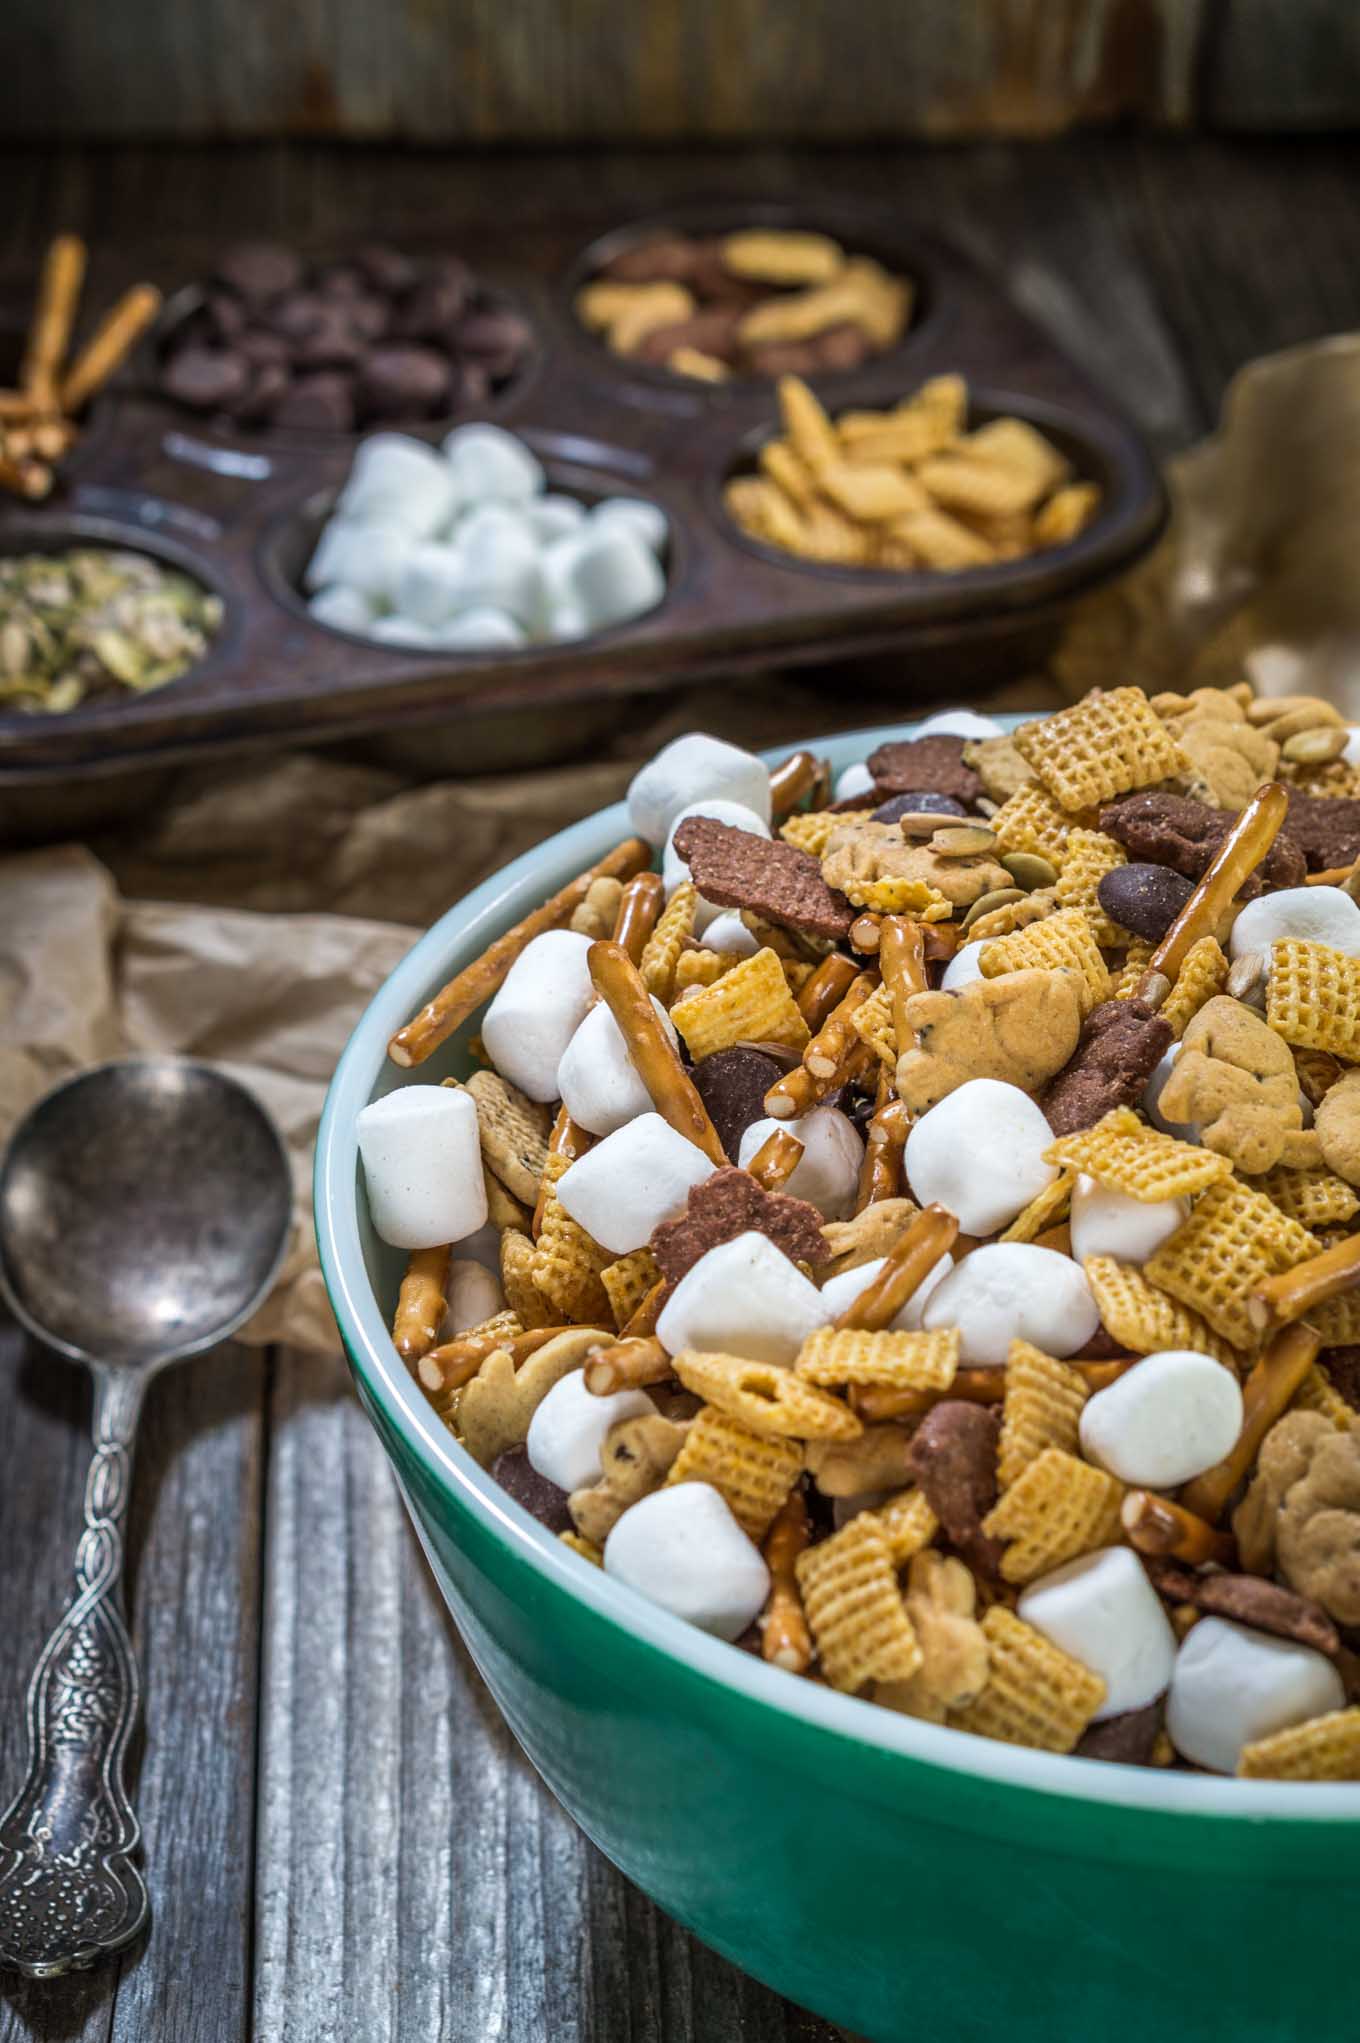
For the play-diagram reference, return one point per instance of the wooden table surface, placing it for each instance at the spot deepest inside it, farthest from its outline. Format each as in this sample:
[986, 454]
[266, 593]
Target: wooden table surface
[341, 1838]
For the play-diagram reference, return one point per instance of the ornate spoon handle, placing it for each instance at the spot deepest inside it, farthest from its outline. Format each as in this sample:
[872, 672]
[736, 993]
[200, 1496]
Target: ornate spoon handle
[69, 1893]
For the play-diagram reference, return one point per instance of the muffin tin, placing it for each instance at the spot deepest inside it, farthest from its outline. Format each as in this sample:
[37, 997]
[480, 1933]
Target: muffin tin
[239, 508]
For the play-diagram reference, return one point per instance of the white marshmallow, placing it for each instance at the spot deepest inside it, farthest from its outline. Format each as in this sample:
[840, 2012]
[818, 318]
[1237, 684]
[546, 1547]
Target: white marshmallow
[959, 723]
[840, 1291]
[727, 932]
[482, 629]
[1152, 1097]
[853, 780]
[744, 1297]
[632, 1181]
[538, 1010]
[674, 870]
[473, 1294]
[691, 769]
[615, 577]
[1013, 1291]
[1109, 1223]
[963, 968]
[1312, 914]
[342, 608]
[1351, 755]
[682, 1548]
[1103, 1610]
[368, 558]
[568, 1429]
[498, 565]
[596, 1079]
[1170, 1417]
[827, 1173]
[427, 587]
[423, 1166]
[1233, 1685]
[400, 631]
[643, 520]
[566, 621]
[397, 480]
[979, 1152]
[552, 517]
[486, 461]
[556, 560]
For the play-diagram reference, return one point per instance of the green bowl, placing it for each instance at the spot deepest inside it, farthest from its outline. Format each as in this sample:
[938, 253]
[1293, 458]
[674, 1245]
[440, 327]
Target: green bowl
[907, 1881]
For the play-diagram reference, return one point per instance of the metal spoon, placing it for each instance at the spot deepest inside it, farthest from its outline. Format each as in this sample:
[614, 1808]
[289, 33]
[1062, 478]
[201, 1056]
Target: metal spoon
[144, 1210]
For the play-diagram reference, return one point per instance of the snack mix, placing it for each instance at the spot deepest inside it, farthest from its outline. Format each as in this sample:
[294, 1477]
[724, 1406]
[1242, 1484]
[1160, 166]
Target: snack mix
[766, 301]
[906, 1227]
[910, 488]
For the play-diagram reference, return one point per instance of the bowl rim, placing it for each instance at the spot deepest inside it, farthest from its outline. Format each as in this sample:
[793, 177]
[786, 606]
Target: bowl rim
[482, 914]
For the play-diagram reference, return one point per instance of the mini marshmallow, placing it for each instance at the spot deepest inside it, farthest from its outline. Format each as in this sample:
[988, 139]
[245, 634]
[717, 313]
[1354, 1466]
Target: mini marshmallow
[486, 461]
[472, 1294]
[645, 521]
[841, 1291]
[674, 870]
[1351, 755]
[979, 1152]
[1233, 1685]
[628, 1184]
[422, 1160]
[397, 480]
[1012, 1291]
[615, 577]
[695, 768]
[959, 723]
[400, 631]
[568, 1429]
[552, 517]
[827, 1173]
[497, 564]
[342, 608]
[482, 630]
[682, 1548]
[368, 558]
[853, 780]
[596, 1079]
[566, 621]
[963, 968]
[1312, 914]
[538, 1010]
[1103, 1610]
[727, 932]
[1109, 1223]
[1170, 1417]
[743, 1297]
[427, 588]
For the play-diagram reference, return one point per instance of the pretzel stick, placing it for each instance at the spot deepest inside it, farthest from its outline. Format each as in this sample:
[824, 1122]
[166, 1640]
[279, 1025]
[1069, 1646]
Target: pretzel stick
[825, 1054]
[827, 1059]
[784, 1637]
[653, 1056]
[628, 1365]
[1157, 1526]
[825, 989]
[117, 333]
[421, 1302]
[1238, 856]
[31, 479]
[977, 1386]
[643, 1322]
[793, 778]
[455, 1363]
[942, 940]
[819, 794]
[1334, 876]
[776, 1160]
[16, 404]
[902, 961]
[463, 995]
[1265, 1394]
[865, 932]
[1295, 1292]
[567, 1139]
[880, 1174]
[798, 1092]
[640, 908]
[63, 273]
[911, 1258]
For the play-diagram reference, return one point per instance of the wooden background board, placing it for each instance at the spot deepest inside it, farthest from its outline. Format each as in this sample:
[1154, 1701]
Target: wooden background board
[342, 1840]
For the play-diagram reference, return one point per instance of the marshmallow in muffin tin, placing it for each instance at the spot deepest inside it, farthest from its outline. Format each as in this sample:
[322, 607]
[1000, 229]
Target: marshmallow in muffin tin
[727, 932]
[958, 723]
[568, 1429]
[827, 1173]
[851, 781]
[426, 588]
[541, 1004]
[342, 608]
[368, 558]
[1104, 1612]
[1172, 1416]
[496, 563]
[400, 631]
[1014, 1291]
[554, 517]
[682, 1548]
[1232, 1685]
[472, 1294]
[841, 1291]
[630, 1182]
[596, 1079]
[486, 462]
[634, 515]
[695, 768]
[674, 870]
[1324, 915]
[397, 480]
[482, 629]
[422, 1158]
[743, 1297]
[980, 1152]
[964, 967]
[614, 575]
[1105, 1222]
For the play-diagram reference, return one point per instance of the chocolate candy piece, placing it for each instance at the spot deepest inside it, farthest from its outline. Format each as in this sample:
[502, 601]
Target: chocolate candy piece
[342, 280]
[1168, 829]
[917, 801]
[1121, 1041]
[1128, 1739]
[1327, 831]
[404, 382]
[736, 869]
[732, 1085]
[916, 763]
[517, 1475]
[496, 341]
[387, 269]
[324, 400]
[727, 1204]
[434, 308]
[660, 259]
[206, 379]
[713, 332]
[1251, 1600]
[298, 314]
[331, 344]
[260, 270]
[1145, 899]
[261, 400]
[225, 316]
[953, 1458]
[259, 346]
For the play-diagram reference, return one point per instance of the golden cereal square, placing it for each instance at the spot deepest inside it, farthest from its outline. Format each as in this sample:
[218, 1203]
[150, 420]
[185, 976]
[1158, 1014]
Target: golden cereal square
[813, 830]
[1322, 1749]
[1036, 1694]
[1057, 1508]
[751, 1003]
[1044, 1210]
[1315, 1198]
[1203, 975]
[667, 940]
[567, 1263]
[1129, 977]
[1103, 746]
[1089, 856]
[900, 1361]
[1042, 1408]
[751, 1470]
[1030, 820]
[1126, 1155]
[1144, 1319]
[514, 1133]
[1234, 1239]
[766, 1397]
[517, 1281]
[1338, 1320]
[1317, 1393]
[855, 1609]
[628, 1281]
[872, 1022]
[909, 1524]
[1061, 942]
[1313, 997]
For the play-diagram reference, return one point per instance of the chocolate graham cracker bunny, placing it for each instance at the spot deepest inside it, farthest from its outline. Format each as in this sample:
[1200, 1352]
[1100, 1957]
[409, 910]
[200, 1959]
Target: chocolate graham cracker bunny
[896, 1296]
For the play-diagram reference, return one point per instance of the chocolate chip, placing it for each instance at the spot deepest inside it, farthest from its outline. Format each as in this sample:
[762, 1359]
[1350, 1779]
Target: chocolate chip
[206, 379]
[261, 400]
[388, 270]
[332, 344]
[299, 314]
[433, 309]
[324, 401]
[935, 764]
[916, 802]
[1173, 830]
[404, 382]
[260, 270]
[517, 1475]
[732, 1085]
[1145, 899]
[727, 1204]
[259, 346]
[343, 280]
[1126, 1740]
[953, 1457]
[1121, 1042]
[1327, 831]
[1250, 1600]
[225, 315]
[495, 341]
[737, 869]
